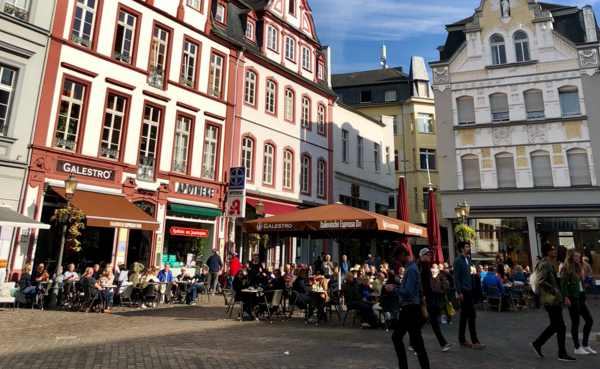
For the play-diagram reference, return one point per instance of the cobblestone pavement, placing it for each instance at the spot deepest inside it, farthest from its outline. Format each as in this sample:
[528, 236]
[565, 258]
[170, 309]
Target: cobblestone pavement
[196, 337]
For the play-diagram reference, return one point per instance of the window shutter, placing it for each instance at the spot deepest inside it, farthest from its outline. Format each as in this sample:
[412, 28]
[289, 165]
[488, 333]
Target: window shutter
[505, 170]
[534, 101]
[569, 102]
[466, 110]
[471, 177]
[579, 169]
[542, 171]
[499, 103]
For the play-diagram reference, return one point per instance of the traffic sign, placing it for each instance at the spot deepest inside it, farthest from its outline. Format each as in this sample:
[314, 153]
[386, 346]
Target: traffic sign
[237, 178]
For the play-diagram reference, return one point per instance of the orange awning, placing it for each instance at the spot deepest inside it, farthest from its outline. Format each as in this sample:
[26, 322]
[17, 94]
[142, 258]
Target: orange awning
[110, 211]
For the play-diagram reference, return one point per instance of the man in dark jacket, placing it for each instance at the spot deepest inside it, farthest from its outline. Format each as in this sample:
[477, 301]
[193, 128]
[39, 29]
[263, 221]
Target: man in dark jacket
[214, 266]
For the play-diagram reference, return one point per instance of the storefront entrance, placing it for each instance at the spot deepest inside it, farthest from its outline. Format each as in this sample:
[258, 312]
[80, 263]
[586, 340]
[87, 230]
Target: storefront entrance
[139, 247]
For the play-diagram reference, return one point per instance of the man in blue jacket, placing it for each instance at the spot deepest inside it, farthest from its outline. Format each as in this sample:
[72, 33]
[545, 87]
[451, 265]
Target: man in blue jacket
[214, 266]
[492, 280]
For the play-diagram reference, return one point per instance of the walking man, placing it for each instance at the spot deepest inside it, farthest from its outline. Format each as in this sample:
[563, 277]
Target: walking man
[552, 299]
[214, 267]
[411, 319]
[464, 291]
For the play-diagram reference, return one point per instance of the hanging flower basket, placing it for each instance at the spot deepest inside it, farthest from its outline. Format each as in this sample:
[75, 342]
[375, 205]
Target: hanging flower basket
[465, 233]
[76, 224]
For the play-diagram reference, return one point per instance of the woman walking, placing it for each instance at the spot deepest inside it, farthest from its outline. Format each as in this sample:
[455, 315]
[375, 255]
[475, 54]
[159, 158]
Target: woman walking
[572, 283]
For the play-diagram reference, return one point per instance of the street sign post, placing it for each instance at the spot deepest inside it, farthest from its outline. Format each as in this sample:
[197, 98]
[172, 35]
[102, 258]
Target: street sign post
[236, 197]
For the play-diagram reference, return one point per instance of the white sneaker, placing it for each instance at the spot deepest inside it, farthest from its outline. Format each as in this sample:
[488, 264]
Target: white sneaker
[144, 306]
[589, 350]
[581, 351]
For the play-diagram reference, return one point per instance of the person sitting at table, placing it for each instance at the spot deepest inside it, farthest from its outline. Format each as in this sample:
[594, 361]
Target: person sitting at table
[353, 299]
[25, 286]
[149, 284]
[134, 273]
[96, 273]
[365, 289]
[241, 282]
[122, 280]
[372, 273]
[327, 267]
[195, 285]
[277, 283]
[302, 286]
[378, 282]
[70, 274]
[392, 277]
[166, 276]
[39, 275]
[333, 283]
[492, 280]
[526, 273]
[107, 278]
[95, 289]
[518, 275]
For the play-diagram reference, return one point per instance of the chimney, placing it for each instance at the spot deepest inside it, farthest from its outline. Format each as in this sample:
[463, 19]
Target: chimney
[590, 24]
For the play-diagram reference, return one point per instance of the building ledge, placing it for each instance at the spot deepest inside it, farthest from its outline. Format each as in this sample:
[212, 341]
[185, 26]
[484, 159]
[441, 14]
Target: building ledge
[511, 65]
[521, 122]
[513, 190]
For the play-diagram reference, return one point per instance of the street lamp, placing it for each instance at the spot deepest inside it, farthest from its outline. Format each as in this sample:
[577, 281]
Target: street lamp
[70, 187]
[462, 212]
[260, 207]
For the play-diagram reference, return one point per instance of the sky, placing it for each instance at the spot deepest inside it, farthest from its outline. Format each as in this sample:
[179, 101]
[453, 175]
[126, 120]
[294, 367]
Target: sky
[356, 29]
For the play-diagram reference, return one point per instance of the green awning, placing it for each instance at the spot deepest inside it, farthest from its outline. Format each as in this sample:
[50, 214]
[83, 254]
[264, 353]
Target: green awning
[195, 210]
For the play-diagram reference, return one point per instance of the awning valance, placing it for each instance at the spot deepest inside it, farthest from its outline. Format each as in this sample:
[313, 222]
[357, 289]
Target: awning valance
[273, 208]
[10, 218]
[110, 211]
[196, 210]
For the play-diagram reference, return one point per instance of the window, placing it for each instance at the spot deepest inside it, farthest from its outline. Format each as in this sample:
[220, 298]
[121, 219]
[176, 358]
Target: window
[345, 146]
[427, 158]
[396, 160]
[287, 169]
[499, 107]
[18, 9]
[149, 145]
[522, 47]
[426, 197]
[247, 153]
[124, 38]
[354, 202]
[158, 57]
[7, 82]
[320, 72]
[579, 167]
[250, 30]
[376, 157]
[392, 201]
[272, 41]
[271, 92]
[305, 175]
[359, 151]
[390, 95]
[305, 112]
[365, 96]
[182, 143]
[505, 171]
[498, 50]
[220, 16]
[290, 45]
[569, 101]
[321, 120]
[305, 57]
[83, 24]
[395, 125]
[321, 179]
[542, 169]
[188, 69]
[250, 88]
[470, 171]
[387, 160]
[289, 105]
[416, 198]
[69, 117]
[292, 7]
[466, 110]
[534, 104]
[114, 118]
[423, 89]
[425, 123]
[211, 142]
[216, 75]
[268, 165]
[195, 4]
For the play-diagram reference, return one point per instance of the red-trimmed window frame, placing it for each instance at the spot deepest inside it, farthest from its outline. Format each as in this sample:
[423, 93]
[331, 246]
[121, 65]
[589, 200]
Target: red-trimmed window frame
[322, 76]
[219, 127]
[292, 175]
[161, 124]
[324, 133]
[224, 5]
[290, 88]
[83, 118]
[310, 59]
[256, 88]
[171, 33]
[201, 10]
[272, 79]
[396, 159]
[97, 23]
[253, 23]
[288, 9]
[277, 32]
[124, 125]
[198, 45]
[309, 182]
[285, 37]
[309, 127]
[136, 38]
[223, 74]
[319, 161]
[274, 174]
[179, 113]
[253, 161]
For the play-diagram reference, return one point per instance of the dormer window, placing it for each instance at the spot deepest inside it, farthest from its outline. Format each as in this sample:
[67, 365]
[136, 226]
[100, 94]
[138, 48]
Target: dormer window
[292, 8]
[498, 50]
[320, 71]
[220, 15]
[250, 30]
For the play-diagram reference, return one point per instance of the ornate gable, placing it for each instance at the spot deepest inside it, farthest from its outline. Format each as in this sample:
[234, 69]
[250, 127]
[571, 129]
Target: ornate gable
[506, 14]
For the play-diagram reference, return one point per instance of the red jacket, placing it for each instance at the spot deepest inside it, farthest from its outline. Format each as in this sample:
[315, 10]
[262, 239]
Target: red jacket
[234, 266]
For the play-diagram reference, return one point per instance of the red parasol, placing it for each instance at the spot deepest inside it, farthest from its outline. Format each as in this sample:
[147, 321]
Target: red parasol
[433, 229]
[402, 211]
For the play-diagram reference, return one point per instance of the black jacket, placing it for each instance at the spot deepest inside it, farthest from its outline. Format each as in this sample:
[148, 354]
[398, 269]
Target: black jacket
[426, 275]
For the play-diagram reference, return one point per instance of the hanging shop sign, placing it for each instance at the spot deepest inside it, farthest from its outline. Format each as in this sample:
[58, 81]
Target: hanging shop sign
[189, 232]
[85, 170]
[190, 189]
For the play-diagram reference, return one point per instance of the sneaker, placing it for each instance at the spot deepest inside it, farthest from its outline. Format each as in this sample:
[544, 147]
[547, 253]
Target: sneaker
[192, 303]
[411, 348]
[107, 311]
[466, 344]
[566, 357]
[254, 315]
[144, 306]
[448, 347]
[581, 351]
[537, 349]
[478, 346]
[365, 326]
[444, 320]
[589, 349]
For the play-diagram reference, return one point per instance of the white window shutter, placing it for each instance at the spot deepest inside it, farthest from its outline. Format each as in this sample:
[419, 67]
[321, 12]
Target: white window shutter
[466, 110]
[542, 171]
[499, 103]
[579, 169]
[505, 170]
[534, 101]
[471, 178]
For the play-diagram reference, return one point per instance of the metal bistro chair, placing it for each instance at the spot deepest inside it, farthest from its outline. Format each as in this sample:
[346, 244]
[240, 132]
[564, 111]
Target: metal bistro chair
[165, 294]
[529, 298]
[292, 298]
[493, 301]
[127, 296]
[42, 297]
[229, 297]
[355, 309]
[389, 304]
[517, 294]
[273, 304]
[313, 303]
[88, 300]
[333, 303]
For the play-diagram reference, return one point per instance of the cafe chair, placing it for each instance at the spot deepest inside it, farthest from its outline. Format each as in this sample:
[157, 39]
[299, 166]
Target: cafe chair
[45, 295]
[493, 301]
[389, 304]
[529, 298]
[333, 303]
[273, 304]
[149, 294]
[229, 297]
[88, 300]
[205, 293]
[166, 294]
[350, 309]
[517, 294]
[127, 296]
[11, 298]
[292, 298]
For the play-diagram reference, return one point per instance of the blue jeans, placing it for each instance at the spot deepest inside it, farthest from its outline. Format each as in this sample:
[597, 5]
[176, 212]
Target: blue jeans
[195, 289]
[29, 292]
[590, 282]
[107, 296]
[231, 282]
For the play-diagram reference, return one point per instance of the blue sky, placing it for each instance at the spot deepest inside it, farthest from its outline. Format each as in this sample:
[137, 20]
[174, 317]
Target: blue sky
[356, 29]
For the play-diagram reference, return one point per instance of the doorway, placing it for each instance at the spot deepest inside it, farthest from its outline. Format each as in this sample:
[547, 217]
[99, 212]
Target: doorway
[139, 247]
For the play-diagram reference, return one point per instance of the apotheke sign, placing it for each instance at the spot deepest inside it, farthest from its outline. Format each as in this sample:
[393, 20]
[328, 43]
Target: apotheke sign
[194, 190]
[85, 170]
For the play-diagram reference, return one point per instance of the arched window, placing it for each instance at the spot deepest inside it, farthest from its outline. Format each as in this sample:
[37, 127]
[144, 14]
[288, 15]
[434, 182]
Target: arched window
[287, 169]
[569, 101]
[289, 105]
[271, 101]
[272, 41]
[466, 110]
[499, 107]
[305, 112]
[505, 171]
[321, 120]
[542, 169]
[250, 88]
[305, 175]
[534, 104]
[321, 179]
[290, 48]
[247, 156]
[269, 162]
[470, 169]
[498, 50]
[522, 47]
[579, 167]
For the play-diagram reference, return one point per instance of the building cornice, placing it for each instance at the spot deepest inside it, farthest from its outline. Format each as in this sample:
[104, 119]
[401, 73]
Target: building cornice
[521, 122]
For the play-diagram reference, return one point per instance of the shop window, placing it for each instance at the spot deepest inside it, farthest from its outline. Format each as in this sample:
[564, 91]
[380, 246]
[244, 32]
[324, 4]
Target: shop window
[470, 172]
[542, 169]
[508, 237]
[505, 171]
[579, 167]
[114, 119]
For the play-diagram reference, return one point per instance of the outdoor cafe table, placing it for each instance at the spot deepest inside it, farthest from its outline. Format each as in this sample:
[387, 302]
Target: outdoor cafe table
[256, 292]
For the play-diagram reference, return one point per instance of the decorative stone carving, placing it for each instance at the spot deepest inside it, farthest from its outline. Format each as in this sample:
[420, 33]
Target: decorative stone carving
[537, 133]
[522, 162]
[521, 151]
[573, 129]
[515, 98]
[441, 75]
[480, 91]
[559, 160]
[475, 23]
[485, 153]
[557, 149]
[481, 101]
[513, 88]
[486, 164]
[538, 12]
[502, 136]
[588, 57]
[550, 94]
[467, 137]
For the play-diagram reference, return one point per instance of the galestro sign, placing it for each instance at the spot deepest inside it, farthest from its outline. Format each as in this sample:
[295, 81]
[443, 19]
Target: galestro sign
[415, 230]
[85, 170]
[188, 232]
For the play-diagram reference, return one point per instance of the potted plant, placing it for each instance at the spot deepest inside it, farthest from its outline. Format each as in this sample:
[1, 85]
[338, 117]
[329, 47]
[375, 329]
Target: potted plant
[465, 233]
[76, 223]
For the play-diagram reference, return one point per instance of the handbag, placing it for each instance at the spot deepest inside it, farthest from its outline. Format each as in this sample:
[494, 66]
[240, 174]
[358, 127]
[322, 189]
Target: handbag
[449, 309]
